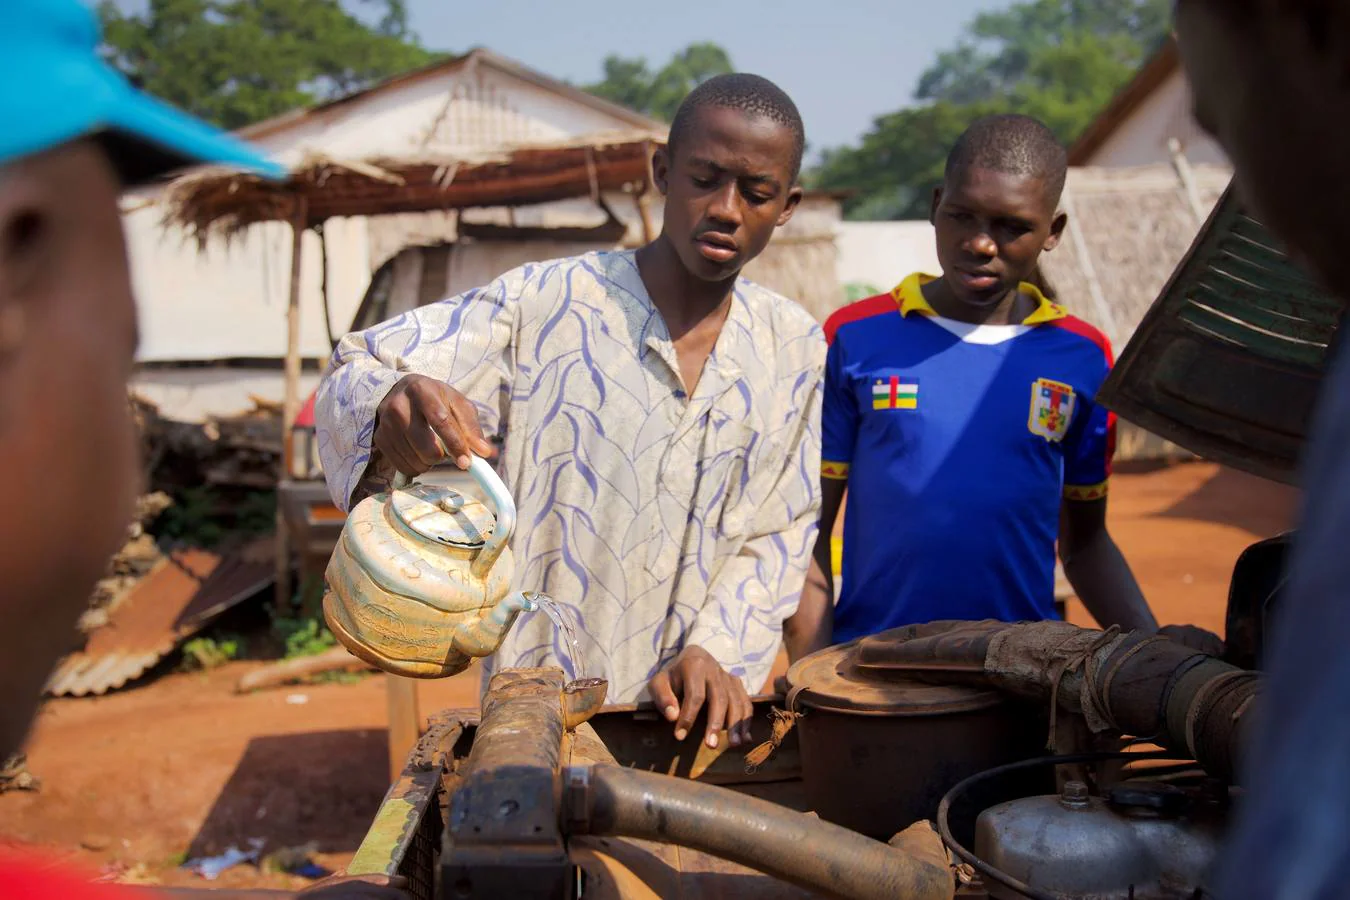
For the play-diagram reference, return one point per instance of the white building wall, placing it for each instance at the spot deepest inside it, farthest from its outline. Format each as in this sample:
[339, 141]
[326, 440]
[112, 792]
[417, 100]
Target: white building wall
[881, 254]
[1141, 139]
[193, 394]
[465, 110]
[230, 301]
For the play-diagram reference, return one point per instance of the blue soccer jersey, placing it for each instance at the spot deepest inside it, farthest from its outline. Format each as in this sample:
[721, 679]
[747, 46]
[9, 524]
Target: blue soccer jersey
[958, 442]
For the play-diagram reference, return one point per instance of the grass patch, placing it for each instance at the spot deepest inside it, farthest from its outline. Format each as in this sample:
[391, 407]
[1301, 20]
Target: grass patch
[201, 654]
[303, 636]
[300, 629]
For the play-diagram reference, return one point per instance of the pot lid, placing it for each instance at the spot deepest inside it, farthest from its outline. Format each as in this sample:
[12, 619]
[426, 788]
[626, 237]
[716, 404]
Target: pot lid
[854, 678]
[443, 515]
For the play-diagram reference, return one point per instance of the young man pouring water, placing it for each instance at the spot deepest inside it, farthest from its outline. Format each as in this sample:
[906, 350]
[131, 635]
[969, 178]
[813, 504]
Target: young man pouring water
[660, 418]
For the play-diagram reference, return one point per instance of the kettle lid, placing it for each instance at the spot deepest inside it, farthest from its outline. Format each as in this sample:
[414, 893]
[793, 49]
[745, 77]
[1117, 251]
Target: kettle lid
[443, 515]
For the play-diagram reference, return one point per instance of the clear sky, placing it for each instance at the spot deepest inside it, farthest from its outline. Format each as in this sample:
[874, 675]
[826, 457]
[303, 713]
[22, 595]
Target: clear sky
[843, 61]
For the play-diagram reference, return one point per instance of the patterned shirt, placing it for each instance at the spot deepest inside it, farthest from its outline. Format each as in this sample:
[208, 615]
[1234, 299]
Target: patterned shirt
[658, 521]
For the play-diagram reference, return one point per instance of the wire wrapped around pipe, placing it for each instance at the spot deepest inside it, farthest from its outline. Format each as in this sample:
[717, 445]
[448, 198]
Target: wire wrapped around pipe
[791, 846]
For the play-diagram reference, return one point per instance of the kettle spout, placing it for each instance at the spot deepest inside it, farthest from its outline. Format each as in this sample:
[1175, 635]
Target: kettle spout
[482, 636]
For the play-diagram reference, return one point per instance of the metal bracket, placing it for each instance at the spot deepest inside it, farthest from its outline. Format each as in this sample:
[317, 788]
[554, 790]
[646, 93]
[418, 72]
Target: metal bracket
[503, 835]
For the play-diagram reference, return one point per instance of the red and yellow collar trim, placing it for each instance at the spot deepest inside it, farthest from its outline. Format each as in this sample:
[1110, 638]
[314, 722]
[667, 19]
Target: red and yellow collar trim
[909, 297]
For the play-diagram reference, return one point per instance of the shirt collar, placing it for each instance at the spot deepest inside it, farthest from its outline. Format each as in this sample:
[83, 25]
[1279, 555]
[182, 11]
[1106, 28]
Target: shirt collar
[909, 296]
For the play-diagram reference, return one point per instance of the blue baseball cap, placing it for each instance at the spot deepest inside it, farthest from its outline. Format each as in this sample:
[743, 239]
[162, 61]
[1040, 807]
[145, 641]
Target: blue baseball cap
[54, 88]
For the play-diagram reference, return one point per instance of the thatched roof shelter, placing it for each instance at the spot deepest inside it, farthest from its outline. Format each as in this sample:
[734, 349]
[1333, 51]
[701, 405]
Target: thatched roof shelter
[223, 201]
[1128, 231]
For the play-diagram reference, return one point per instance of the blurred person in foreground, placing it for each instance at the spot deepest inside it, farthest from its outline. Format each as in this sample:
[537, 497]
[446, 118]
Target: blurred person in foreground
[74, 136]
[1270, 83]
[660, 419]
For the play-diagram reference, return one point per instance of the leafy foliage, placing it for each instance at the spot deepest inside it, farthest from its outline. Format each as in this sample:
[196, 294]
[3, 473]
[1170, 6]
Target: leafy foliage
[234, 62]
[204, 653]
[860, 290]
[629, 82]
[300, 626]
[205, 515]
[306, 635]
[1058, 60]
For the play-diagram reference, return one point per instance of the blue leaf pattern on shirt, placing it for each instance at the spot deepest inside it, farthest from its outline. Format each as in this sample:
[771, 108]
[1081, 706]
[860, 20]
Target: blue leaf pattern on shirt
[657, 520]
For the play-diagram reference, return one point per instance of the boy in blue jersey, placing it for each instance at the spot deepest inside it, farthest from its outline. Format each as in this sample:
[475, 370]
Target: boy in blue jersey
[961, 412]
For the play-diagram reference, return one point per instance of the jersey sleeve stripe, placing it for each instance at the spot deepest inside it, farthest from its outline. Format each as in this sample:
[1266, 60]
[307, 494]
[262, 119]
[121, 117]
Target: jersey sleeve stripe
[835, 471]
[1084, 492]
[1075, 325]
[1110, 442]
[856, 312]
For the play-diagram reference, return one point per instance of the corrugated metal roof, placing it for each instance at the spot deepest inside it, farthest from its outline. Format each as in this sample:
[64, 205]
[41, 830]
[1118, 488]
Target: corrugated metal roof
[175, 600]
[478, 55]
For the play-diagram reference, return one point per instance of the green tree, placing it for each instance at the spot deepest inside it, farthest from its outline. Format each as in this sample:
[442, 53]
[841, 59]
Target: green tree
[234, 62]
[1001, 51]
[629, 82]
[1057, 60]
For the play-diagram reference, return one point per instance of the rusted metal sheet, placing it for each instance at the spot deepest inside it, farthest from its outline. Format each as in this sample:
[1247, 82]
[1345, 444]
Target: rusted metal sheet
[183, 593]
[408, 823]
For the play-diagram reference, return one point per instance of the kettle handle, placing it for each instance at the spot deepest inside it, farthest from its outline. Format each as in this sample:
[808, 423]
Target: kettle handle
[503, 507]
[499, 498]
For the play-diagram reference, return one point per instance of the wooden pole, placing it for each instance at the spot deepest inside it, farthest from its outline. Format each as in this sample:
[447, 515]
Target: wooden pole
[290, 407]
[405, 721]
[1080, 245]
[644, 199]
[1187, 178]
[645, 213]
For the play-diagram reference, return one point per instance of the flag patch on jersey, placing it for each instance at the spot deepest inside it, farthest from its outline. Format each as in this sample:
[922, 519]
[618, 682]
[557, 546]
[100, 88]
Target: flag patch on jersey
[1051, 409]
[895, 393]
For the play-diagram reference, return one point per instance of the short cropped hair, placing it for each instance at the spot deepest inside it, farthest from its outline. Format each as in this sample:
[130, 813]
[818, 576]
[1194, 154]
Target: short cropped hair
[1013, 144]
[750, 94]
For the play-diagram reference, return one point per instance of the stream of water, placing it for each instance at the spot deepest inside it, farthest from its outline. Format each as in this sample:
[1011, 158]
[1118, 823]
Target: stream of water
[572, 649]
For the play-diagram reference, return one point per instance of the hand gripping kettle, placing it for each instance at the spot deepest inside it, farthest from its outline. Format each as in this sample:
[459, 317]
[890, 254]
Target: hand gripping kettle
[418, 583]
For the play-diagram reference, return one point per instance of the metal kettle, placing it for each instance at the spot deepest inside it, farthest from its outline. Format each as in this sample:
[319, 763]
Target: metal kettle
[418, 583]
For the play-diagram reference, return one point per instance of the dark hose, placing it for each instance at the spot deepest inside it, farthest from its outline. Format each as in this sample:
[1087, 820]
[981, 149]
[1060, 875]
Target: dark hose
[1136, 683]
[791, 846]
[1190, 702]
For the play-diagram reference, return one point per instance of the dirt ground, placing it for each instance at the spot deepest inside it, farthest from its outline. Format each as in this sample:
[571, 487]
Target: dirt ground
[137, 781]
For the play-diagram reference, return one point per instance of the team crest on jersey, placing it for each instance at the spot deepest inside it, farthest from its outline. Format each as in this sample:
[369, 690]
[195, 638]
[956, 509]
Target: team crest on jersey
[1051, 409]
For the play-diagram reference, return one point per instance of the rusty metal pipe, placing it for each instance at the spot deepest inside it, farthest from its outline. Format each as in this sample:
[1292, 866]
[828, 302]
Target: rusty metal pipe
[613, 801]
